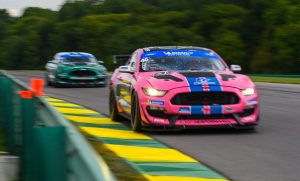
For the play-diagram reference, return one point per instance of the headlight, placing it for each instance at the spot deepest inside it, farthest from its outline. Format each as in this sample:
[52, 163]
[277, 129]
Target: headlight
[102, 71]
[92, 64]
[67, 64]
[248, 92]
[154, 93]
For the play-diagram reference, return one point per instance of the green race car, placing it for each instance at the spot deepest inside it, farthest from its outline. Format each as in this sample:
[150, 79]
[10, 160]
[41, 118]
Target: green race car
[75, 68]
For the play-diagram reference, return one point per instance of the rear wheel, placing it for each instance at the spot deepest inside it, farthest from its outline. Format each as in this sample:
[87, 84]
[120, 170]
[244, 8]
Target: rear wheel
[113, 110]
[136, 121]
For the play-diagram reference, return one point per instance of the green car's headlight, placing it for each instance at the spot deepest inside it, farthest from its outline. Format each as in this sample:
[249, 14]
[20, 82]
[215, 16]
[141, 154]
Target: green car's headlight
[248, 92]
[67, 64]
[154, 93]
[93, 64]
[102, 71]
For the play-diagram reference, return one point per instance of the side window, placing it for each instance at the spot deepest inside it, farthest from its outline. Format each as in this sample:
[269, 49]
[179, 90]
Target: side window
[133, 61]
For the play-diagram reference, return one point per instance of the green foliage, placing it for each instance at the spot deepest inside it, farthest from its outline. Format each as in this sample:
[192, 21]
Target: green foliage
[281, 80]
[38, 12]
[262, 36]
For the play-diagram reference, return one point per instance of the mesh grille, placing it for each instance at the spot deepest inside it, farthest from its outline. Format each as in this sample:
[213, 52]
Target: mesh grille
[205, 98]
[82, 73]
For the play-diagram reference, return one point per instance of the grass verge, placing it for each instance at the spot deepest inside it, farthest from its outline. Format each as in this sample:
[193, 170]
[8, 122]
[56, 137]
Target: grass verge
[282, 80]
[119, 167]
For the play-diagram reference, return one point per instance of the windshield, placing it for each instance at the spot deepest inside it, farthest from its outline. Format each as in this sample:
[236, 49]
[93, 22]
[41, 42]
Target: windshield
[78, 59]
[180, 60]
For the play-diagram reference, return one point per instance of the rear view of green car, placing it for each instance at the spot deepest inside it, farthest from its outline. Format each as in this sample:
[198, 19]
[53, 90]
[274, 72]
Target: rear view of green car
[75, 68]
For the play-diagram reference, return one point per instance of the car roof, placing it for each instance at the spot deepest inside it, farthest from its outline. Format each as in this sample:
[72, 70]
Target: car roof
[155, 48]
[70, 54]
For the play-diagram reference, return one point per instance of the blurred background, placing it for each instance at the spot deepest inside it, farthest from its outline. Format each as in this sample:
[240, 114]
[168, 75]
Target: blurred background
[262, 36]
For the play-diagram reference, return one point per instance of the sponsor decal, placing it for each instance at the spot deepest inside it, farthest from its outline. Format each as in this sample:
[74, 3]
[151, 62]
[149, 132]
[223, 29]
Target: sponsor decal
[161, 103]
[160, 121]
[227, 108]
[206, 110]
[162, 53]
[204, 81]
[184, 110]
[204, 84]
[175, 53]
[251, 102]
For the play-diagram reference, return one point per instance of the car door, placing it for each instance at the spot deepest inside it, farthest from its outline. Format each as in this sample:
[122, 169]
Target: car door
[124, 87]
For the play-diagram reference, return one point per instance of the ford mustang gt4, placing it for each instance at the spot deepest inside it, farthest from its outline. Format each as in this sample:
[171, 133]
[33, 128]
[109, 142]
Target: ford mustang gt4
[182, 87]
[75, 68]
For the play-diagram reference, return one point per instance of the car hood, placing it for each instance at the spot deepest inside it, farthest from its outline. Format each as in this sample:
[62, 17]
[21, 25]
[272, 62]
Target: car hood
[167, 80]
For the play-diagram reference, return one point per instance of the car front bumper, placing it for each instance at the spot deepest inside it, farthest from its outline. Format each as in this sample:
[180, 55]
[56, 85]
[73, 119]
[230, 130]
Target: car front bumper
[159, 111]
[95, 80]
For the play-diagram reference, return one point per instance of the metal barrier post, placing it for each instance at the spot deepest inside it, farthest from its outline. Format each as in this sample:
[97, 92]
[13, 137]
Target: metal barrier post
[6, 92]
[28, 154]
[47, 153]
[51, 153]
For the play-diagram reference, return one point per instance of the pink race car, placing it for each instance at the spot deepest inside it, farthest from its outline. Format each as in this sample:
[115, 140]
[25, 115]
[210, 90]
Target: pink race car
[182, 87]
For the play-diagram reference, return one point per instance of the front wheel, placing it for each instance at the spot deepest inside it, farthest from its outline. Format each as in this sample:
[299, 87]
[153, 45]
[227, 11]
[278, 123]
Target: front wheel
[57, 84]
[48, 82]
[136, 121]
[113, 110]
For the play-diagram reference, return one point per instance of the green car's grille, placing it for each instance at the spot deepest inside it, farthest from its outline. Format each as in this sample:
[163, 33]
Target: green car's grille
[82, 73]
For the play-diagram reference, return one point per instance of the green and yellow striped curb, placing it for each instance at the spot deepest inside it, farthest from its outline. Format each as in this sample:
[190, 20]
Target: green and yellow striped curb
[152, 159]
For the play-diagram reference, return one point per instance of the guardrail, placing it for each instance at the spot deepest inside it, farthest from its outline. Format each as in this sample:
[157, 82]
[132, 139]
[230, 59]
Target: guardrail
[50, 147]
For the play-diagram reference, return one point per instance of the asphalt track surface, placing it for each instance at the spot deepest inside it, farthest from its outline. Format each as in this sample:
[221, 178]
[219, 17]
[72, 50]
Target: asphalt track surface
[272, 153]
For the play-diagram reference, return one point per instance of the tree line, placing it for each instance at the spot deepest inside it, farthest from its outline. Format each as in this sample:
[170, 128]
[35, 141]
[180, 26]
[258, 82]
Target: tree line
[262, 36]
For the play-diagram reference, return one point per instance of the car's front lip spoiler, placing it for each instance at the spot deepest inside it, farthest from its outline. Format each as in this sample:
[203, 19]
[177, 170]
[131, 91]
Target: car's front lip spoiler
[152, 127]
[238, 120]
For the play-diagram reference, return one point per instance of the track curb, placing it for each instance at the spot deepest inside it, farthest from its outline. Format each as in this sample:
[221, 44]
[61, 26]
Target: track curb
[150, 158]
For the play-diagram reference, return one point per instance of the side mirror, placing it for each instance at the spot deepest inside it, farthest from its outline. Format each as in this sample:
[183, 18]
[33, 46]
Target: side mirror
[125, 69]
[235, 68]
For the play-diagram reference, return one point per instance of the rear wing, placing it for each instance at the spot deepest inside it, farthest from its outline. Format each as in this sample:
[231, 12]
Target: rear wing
[119, 60]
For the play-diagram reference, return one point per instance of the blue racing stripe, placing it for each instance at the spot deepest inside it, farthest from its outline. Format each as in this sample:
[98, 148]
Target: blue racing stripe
[216, 109]
[214, 85]
[197, 110]
[191, 81]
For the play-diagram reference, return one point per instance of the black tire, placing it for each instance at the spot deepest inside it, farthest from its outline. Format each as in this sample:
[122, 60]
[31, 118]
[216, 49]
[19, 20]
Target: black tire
[56, 84]
[101, 85]
[48, 83]
[136, 121]
[113, 110]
